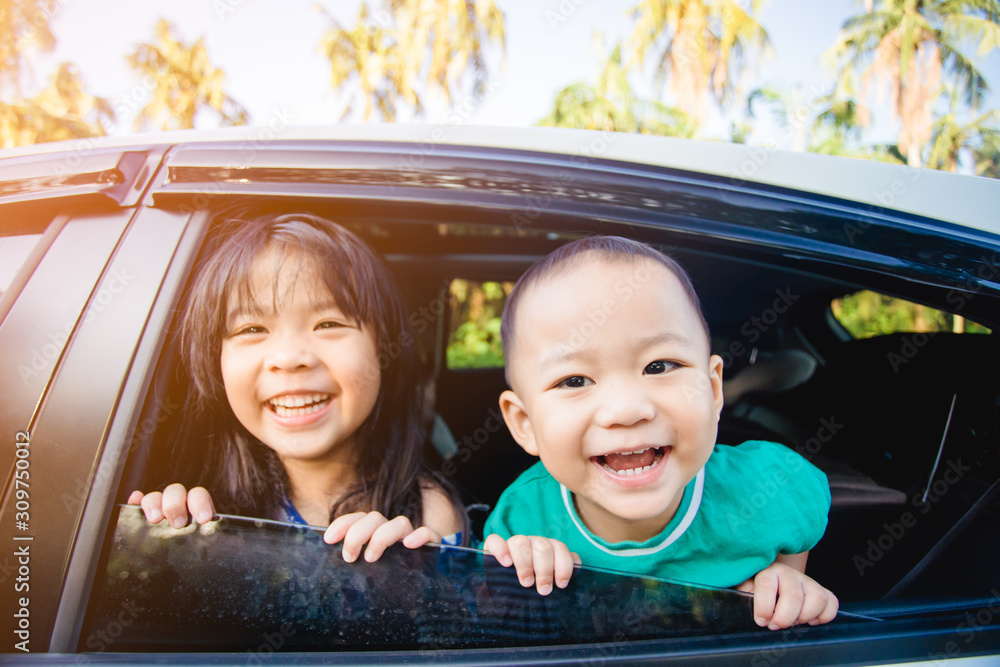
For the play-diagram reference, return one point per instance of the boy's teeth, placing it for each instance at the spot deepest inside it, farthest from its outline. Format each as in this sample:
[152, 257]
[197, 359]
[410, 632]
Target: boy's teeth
[640, 460]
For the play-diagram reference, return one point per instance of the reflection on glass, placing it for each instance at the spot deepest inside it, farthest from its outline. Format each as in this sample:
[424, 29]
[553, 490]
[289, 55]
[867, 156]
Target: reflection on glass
[241, 584]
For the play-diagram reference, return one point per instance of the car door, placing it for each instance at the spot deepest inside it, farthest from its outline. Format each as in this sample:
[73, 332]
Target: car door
[71, 317]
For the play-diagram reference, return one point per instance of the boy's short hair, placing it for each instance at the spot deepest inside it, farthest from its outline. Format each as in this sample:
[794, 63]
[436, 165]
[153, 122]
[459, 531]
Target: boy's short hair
[611, 248]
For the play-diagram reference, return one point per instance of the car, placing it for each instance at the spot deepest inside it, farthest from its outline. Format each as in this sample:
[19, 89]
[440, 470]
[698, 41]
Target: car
[854, 304]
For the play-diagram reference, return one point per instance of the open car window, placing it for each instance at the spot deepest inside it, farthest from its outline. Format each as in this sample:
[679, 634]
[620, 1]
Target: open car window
[237, 583]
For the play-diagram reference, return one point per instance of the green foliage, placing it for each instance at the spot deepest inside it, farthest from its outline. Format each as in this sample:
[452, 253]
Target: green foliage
[407, 51]
[186, 83]
[868, 314]
[63, 110]
[613, 106]
[476, 345]
[474, 341]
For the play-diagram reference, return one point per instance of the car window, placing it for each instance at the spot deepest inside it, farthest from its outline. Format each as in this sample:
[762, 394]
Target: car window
[474, 330]
[237, 583]
[866, 314]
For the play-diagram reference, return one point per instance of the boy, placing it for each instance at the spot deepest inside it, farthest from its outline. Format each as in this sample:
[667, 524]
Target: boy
[613, 386]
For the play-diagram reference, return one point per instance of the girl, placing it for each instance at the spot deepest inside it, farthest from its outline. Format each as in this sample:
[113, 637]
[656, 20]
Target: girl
[302, 417]
[304, 414]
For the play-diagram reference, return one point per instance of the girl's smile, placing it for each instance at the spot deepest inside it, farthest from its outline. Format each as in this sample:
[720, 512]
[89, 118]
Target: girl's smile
[299, 409]
[299, 375]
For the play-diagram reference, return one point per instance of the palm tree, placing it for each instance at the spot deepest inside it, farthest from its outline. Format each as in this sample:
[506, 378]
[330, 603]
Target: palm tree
[24, 26]
[702, 46]
[612, 105]
[790, 110]
[363, 55]
[186, 84]
[987, 156]
[911, 47]
[412, 50]
[61, 111]
[951, 136]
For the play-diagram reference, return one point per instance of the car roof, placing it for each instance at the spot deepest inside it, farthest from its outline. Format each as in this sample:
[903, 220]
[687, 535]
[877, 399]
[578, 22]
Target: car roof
[969, 201]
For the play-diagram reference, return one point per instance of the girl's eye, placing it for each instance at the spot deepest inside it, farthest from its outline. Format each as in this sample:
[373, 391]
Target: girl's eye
[574, 382]
[250, 330]
[659, 367]
[330, 324]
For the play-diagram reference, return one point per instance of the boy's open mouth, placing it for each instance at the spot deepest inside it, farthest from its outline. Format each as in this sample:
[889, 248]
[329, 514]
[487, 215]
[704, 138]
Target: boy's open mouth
[298, 404]
[631, 463]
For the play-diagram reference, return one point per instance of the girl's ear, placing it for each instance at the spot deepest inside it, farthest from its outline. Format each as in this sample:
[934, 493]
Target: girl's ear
[518, 421]
[715, 365]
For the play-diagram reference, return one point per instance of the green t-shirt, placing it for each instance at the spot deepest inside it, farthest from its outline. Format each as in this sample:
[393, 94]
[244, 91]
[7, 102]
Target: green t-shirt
[748, 504]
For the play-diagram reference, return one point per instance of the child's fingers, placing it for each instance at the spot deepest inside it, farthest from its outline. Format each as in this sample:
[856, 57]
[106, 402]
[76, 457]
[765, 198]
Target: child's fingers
[152, 506]
[135, 498]
[830, 612]
[420, 537]
[175, 505]
[544, 564]
[387, 534]
[820, 606]
[563, 563]
[199, 501]
[359, 534]
[789, 608]
[765, 595]
[497, 547]
[522, 552]
[338, 529]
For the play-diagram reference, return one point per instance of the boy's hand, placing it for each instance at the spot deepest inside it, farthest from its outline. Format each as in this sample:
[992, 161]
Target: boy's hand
[538, 560]
[783, 597]
[360, 528]
[173, 505]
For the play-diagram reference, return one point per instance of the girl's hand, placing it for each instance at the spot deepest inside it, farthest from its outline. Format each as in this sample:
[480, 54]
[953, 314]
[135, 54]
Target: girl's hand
[537, 560]
[173, 505]
[783, 597]
[378, 532]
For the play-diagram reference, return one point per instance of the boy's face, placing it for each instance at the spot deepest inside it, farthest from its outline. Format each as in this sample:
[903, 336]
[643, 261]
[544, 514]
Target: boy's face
[615, 390]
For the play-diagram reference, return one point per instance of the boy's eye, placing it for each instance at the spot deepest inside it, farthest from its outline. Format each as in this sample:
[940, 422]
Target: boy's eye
[574, 382]
[658, 367]
[330, 324]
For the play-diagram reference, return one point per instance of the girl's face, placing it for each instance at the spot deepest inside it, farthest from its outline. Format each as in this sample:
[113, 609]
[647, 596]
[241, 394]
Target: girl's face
[299, 375]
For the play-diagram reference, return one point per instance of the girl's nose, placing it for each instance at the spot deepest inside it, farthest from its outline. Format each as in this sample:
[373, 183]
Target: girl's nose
[290, 352]
[624, 404]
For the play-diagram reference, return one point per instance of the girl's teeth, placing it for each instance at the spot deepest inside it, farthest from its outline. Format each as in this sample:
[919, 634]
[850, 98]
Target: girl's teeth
[282, 411]
[298, 405]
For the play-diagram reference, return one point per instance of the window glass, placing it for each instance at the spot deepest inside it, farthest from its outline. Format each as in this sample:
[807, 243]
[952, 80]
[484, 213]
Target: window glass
[252, 586]
[867, 314]
[13, 251]
[474, 332]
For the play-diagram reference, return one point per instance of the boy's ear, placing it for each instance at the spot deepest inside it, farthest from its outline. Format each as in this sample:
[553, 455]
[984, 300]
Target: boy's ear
[518, 421]
[715, 365]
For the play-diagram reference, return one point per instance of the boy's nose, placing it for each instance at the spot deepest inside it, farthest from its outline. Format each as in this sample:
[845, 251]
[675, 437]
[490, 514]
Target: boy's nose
[290, 352]
[624, 404]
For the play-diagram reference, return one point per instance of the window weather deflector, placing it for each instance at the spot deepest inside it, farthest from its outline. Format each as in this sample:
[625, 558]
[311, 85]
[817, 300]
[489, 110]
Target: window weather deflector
[115, 175]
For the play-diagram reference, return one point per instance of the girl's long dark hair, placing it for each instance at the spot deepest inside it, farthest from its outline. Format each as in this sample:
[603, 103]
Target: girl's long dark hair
[244, 475]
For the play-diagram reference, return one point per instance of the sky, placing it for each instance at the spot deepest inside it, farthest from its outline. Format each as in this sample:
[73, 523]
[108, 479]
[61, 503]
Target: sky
[270, 54]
